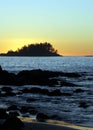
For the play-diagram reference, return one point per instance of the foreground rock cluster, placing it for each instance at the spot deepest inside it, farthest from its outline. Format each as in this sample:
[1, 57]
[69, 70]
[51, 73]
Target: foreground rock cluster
[9, 122]
[12, 122]
[43, 83]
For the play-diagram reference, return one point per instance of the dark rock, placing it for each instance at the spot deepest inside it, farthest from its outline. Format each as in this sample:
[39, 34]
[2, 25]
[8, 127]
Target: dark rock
[66, 94]
[71, 75]
[36, 91]
[12, 107]
[43, 91]
[53, 82]
[55, 117]
[7, 94]
[39, 91]
[1, 127]
[25, 109]
[0, 68]
[10, 94]
[25, 90]
[3, 114]
[33, 112]
[13, 113]
[55, 93]
[65, 83]
[78, 91]
[7, 78]
[7, 89]
[13, 123]
[83, 105]
[42, 117]
[34, 77]
[31, 100]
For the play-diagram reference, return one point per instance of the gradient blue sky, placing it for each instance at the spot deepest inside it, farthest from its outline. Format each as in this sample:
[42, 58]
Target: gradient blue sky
[67, 24]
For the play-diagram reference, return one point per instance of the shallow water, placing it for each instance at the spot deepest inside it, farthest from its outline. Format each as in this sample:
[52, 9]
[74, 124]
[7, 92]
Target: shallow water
[65, 108]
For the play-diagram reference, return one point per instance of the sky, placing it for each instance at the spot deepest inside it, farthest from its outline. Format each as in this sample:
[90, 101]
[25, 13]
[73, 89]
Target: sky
[66, 24]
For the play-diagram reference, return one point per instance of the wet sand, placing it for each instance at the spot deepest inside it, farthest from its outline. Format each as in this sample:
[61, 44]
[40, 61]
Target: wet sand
[32, 124]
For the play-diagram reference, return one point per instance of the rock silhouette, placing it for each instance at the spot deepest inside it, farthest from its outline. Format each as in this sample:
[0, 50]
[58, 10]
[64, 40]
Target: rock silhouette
[34, 77]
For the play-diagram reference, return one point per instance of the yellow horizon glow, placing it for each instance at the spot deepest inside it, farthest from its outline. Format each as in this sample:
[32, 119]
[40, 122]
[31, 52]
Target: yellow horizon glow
[64, 48]
[66, 24]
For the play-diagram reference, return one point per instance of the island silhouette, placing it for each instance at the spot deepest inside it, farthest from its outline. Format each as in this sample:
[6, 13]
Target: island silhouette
[38, 49]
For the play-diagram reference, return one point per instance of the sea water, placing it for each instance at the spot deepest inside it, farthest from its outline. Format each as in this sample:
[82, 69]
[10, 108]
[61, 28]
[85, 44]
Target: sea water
[65, 108]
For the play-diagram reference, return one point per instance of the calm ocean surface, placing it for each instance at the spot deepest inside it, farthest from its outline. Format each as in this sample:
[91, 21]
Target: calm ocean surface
[67, 64]
[67, 108]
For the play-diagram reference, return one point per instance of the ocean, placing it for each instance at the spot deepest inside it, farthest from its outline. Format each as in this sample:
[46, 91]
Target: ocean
[64, 108]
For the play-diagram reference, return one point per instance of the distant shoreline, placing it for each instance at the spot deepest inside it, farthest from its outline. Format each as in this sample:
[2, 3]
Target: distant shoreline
[39, 49]
[29, 56]
[89, 56]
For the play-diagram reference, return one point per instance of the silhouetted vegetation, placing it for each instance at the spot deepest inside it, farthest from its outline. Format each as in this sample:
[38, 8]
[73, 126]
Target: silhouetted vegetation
[39, 49]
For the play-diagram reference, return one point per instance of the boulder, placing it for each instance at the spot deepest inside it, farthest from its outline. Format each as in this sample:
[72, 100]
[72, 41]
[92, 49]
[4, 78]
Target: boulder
[7, 89]
[55, 93]
[13, 113]
[0, 68]
[12, 107]
[13, 123]
[3, 114]
[7, 78]
[34, 77]
[83, 105]
[10, 94]
[41, 117]
[78, 90]
[26, 109]
[31, 100]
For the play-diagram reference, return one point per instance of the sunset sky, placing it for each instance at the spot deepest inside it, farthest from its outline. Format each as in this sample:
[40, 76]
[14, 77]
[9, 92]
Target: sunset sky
[66, 24]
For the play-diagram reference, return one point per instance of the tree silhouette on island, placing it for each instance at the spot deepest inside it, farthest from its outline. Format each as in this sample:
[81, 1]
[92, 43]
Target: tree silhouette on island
[38, 49]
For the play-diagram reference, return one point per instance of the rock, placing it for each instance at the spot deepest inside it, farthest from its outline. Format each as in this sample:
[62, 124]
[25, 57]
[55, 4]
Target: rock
[25, 109]
[1, 127]
[71, 75]
[3, 114]
[66, 94]
[53, 82]
[65, 83]
[55, 117]
[13, 113]
[78, 90]
[55, 93]
[36, 91]
[34, 77]
[39, 91]
[25, 90]
[83, 105]
[33, 112]
[13, 123]
[12, 107]
[6, 89]
[0, 68]
[41, 117]
[10, 94]
[31, 100]
[7, 78]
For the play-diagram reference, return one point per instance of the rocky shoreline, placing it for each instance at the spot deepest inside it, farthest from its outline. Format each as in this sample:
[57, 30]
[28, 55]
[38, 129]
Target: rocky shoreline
[10, 81]
[35, 77]
[11, 122]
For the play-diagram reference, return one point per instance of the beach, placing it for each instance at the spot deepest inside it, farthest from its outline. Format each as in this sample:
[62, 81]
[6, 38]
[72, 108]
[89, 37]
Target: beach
[32, 124]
